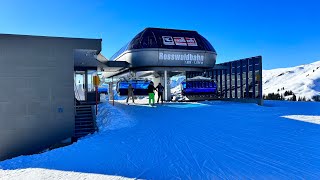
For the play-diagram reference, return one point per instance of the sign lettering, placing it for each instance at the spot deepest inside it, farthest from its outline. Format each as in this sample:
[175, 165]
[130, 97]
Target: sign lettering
[167, 40]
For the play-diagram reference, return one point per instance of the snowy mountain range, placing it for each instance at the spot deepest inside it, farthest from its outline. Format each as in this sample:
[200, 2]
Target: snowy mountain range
[303, 80]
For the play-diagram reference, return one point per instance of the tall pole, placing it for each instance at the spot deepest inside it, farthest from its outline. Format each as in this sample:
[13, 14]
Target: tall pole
[166, 85]
[112, 91]
[96, 99]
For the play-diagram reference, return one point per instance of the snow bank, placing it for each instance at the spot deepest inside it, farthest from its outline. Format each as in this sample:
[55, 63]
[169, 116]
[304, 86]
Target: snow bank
[39, 173]
[112, 118]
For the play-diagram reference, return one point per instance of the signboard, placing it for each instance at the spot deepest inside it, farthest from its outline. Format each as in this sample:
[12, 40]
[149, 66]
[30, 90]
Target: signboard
[167, 40]
[180, 41]
[96, 80]
[181, 58]
[191, 41]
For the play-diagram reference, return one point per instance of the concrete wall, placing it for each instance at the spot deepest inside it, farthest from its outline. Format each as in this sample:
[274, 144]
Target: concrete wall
[36, 91]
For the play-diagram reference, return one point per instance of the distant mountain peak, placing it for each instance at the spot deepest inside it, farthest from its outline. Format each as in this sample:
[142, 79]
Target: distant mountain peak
[302, 80]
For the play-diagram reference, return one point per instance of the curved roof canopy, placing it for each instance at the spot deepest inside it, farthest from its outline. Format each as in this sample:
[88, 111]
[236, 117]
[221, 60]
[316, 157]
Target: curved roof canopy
[167, 39]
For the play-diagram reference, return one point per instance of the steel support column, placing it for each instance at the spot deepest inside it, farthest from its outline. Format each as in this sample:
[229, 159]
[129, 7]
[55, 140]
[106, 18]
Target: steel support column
[220, 71]
[260, 77]
[230, 77]
[241, 78]
[253, 64]
[225, 84]
[236, 80]
[166, 86]
[247, 78]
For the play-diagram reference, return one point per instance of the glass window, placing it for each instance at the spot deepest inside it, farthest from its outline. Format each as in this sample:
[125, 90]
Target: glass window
[91, 87]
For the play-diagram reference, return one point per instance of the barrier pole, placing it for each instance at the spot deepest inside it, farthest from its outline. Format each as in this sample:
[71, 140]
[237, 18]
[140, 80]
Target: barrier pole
[166, 98]
[96, 100]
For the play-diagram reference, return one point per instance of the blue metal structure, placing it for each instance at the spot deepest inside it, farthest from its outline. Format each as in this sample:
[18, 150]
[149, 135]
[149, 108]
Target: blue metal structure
[198, 87]
[240, 79]
[140, 87]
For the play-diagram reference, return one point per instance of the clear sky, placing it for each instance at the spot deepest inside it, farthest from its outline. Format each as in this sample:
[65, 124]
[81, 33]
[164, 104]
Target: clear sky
[285, 33]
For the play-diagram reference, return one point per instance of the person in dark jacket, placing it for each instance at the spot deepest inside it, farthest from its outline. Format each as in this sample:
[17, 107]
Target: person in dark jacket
[160, 89]
[130, 93]
[151, 89]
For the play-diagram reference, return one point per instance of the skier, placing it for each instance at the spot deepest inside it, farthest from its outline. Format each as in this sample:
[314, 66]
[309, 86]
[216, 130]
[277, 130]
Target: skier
[160, 89]
[151, 89]
[130, 93]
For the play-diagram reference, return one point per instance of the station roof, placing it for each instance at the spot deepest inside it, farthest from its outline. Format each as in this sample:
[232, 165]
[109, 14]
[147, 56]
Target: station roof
[167, 39]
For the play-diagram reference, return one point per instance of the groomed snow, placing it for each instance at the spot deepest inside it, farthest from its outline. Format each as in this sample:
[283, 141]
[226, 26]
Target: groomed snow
[206, 140]
[38, 173]
[310, 119]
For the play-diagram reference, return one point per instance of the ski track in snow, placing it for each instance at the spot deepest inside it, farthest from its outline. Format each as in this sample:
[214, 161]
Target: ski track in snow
[206, 140]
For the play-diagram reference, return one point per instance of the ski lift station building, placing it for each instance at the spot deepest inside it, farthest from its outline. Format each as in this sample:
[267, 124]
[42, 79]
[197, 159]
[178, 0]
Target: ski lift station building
[37, 106]
[47, 92]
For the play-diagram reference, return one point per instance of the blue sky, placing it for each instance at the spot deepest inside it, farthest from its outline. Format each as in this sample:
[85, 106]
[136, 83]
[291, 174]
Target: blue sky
[285, 33]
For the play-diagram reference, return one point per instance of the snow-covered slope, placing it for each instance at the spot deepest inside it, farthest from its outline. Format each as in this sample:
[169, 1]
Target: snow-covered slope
[303, 80]
[204, 140]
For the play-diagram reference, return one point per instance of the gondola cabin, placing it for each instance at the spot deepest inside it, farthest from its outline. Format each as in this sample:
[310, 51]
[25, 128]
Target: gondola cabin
[140, 87]
[198, 86]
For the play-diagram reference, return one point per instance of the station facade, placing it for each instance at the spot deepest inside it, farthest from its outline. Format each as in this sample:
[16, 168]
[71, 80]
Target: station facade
[37, 102]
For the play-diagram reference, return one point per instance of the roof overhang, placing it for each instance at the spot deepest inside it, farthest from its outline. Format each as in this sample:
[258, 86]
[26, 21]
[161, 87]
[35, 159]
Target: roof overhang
[87, 59]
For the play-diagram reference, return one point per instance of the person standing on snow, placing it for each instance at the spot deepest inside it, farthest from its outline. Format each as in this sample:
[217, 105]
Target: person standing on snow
[130, 93]
[160, 89]
[151, 89]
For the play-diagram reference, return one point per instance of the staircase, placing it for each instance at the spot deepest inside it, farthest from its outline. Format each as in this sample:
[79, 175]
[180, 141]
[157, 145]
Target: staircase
[85, 121]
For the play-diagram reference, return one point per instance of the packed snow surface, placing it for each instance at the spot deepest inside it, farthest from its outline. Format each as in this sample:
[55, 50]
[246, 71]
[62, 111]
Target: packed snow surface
[205, 140]
[38, 173]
